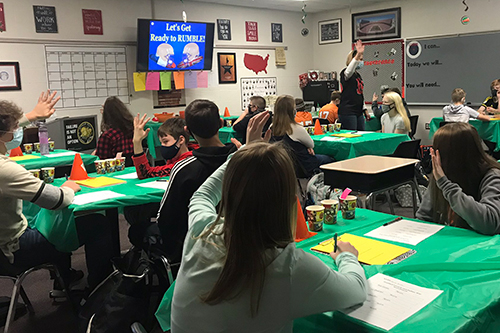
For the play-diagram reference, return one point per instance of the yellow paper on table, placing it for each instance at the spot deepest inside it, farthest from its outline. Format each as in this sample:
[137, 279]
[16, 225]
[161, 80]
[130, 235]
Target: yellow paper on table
[495, 118]
[371, 252]
[346, 135]
[100, 182]
[24, 157]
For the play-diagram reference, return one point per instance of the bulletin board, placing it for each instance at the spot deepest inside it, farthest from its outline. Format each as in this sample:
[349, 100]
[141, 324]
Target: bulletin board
[87, 75]
[383, 65]
[260, 86]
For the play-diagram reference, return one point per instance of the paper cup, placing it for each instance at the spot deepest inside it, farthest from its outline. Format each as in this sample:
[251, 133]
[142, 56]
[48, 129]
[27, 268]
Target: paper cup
[331, 127]
[51, 145]
[324, 128]
[100, 167]
[229, 122]
[120, 164]
[110, 165]
[28, 148]
[315, 217]
[331, 209]
[338, 126]
[310, 130]
[35, 172]
[48, 174]
[348, 207]
[37, 147]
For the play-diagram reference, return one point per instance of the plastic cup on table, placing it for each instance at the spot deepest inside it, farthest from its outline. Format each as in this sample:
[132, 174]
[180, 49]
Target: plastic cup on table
[324, 128]
[331, 209]
[110, 165]
[229, 122]
[100, 167]
[348, 207]
[338, 126]
[35, 172]
[120, 164]
[28, 148]
[51, 145]
[37, 147]
[331, 127]
[315, 217]
[48, 174]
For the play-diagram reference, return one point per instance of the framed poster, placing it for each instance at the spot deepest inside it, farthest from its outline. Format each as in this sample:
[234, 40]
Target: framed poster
[2, 18]
[224, 29]
[227, 67]
[277, 32]
[261, 86]
[45, 19]
[252, 32]
[330, 31]
[380, 24]
[92, 22]
[9, 76]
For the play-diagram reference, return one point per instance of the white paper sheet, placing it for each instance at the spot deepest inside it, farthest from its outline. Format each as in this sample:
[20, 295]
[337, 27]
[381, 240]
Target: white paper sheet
[363, 132]
[132, 175]
[404, 231]
[391, 301]
[331, 138]
[66, 153]
[83, 199]
[162, 185]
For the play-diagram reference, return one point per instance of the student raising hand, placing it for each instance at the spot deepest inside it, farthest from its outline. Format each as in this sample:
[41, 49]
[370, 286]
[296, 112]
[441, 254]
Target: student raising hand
[139, 132]
[45, 106]
[255, 126]
[360, 48]
[437, 169]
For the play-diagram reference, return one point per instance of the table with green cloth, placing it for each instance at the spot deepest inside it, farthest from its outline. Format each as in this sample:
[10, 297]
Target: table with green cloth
[462, 263]
[366, 144]
[487, 130]
[46, 161]
[59, 226]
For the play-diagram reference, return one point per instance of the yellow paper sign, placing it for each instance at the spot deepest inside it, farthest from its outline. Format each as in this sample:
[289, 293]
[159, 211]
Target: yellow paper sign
[139, 81]
[24, 157]
[371, 252]
[100, 182]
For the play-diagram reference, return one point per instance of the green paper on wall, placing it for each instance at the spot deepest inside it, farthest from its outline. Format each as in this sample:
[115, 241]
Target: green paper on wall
[166, 80]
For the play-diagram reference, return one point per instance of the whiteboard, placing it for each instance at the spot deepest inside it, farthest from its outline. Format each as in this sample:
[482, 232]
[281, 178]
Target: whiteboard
[87, 75]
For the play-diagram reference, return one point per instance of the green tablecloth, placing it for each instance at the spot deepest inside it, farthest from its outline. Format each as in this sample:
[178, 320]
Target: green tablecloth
[59, 226]
[225, 135]
[487, 130]
[462, 263]
[47, 161]
[367, 144]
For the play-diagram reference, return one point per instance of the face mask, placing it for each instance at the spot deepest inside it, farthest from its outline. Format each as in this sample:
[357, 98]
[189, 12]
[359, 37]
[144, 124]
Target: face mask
[16, 140]
[386, 108]
[493, 93]
[169, 152]
[360, 65]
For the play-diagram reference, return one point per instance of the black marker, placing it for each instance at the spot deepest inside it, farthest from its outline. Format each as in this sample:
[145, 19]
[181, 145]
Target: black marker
[391, 222]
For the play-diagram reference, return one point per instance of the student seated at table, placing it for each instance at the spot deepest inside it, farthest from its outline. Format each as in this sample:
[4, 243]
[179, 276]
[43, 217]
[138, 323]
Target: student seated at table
[377, 110]
[241, 270]
[394, 119]
[458, 112]
[117, 128]
[330, 111]
[26, 247]
[257, 105]
[174, 141]
[302, 117]
[490, 104]
[203, 122]
[465, 188]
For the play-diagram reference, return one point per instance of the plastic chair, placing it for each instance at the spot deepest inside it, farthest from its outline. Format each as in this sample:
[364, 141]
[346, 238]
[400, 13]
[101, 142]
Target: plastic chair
[407, 149]
[322, 121]
[9, 272]
[413, 126]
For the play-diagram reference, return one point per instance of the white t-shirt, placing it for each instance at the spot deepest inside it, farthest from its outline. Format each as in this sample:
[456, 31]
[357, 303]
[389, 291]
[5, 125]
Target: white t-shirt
[391, 124]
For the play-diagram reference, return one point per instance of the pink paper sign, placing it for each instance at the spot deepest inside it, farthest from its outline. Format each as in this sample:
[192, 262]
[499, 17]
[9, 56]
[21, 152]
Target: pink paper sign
[252, 32]
[153, 81]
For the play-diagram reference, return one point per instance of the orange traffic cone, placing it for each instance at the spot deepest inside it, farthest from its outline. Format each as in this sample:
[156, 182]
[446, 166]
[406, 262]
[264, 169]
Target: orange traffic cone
[78, 171]
[302, 232]
[317, 128]
[226, 113]
[16, 152]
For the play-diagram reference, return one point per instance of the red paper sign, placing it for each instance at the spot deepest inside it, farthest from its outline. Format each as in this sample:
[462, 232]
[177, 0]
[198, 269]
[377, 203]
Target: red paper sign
[92, 22]
[252, 32]
[2, 18]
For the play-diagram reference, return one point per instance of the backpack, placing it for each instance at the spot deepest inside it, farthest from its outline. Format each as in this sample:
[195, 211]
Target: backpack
[317, 190]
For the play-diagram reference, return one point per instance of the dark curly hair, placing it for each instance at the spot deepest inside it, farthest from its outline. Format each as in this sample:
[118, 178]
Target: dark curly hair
[10, 114]
[117, 116]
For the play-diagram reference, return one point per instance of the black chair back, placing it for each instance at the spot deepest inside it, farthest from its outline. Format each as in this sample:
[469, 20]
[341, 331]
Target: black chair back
[407, 149]
[443, 123]
[413, 126]
[322, 121]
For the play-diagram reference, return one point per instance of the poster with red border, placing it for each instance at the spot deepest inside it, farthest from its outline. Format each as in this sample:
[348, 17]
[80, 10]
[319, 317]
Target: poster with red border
[251, 31]
[2, 18]
[92, 22]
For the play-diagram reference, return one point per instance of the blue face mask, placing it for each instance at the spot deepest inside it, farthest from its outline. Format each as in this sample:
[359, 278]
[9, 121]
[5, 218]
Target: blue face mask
[360, 65]
[16, 140]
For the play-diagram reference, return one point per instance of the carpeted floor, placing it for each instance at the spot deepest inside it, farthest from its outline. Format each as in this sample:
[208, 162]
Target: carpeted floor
[61, 318]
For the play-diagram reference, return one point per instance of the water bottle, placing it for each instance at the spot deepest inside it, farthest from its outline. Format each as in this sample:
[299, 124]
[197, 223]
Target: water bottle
[313, 111]
[43, 137]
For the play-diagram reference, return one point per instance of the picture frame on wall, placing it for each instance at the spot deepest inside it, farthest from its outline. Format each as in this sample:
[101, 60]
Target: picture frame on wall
[10, 79]
[226, 67]
[376, 25]
[330, 31]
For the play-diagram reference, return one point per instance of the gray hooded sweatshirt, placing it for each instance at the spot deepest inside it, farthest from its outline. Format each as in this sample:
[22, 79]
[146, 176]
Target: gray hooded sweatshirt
[459, 113]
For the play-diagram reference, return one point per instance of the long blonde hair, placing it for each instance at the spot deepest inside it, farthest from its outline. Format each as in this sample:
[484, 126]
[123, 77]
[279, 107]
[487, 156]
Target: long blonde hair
[400, 108]
[284, 116]
[256, 217]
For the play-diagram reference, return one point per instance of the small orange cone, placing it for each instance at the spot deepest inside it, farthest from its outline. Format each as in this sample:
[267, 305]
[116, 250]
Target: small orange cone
[78, 171]
[317, 128]
[16, 152]
[302, 232]
[226, 113]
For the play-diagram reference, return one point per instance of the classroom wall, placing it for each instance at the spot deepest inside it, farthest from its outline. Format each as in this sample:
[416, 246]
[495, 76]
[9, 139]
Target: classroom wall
[418, 19]
[21, 43]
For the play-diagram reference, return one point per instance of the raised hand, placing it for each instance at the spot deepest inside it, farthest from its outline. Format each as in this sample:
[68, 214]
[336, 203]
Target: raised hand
[45, 106]
[139, 132]
[360, 48]
[437, 169]
[255, 126]
[375, 97]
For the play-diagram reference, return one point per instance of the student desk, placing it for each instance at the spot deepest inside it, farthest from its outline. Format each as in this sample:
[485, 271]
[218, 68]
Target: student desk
[59, 226]
[366, 144]
[54, 161]
[462, 263]
[225, 135]
[487, 130]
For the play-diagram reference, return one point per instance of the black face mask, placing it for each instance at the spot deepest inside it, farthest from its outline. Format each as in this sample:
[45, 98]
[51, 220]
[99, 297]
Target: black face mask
[169, 152]
[493, 93]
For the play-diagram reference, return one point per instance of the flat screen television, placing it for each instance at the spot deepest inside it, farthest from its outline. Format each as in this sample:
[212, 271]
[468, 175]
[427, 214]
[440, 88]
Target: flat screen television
[174, 45]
